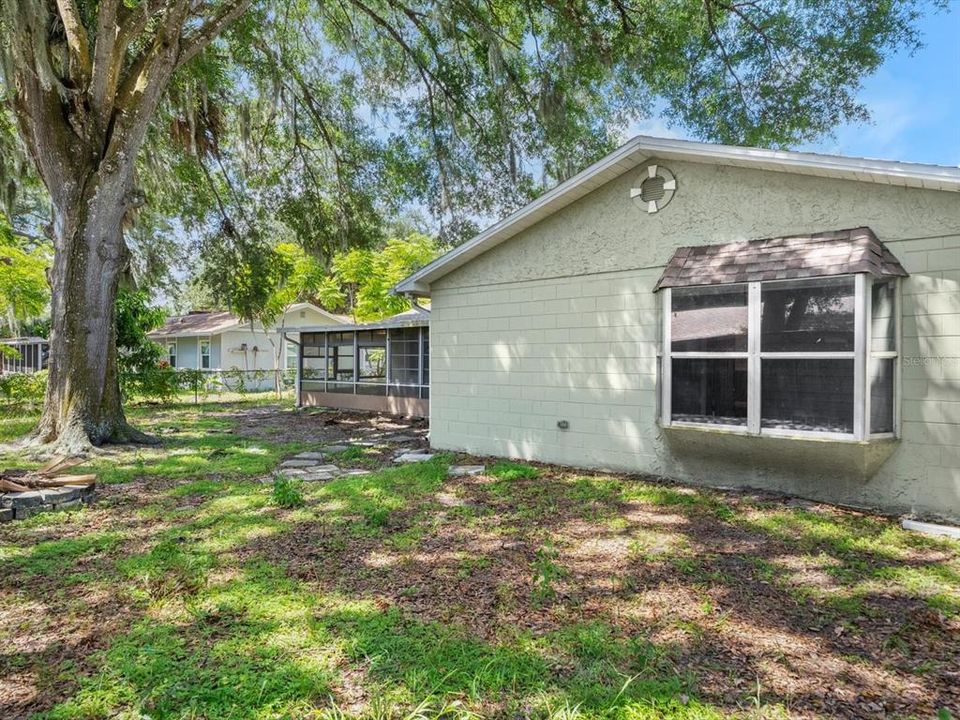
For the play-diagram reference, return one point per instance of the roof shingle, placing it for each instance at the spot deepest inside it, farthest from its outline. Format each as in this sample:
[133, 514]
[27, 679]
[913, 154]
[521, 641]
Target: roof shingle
[839, 252]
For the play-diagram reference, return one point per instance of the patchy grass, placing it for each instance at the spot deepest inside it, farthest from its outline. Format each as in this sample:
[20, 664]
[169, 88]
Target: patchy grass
[507, 470]
[194, 590]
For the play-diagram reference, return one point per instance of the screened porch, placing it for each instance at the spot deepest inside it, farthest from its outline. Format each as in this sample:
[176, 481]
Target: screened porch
[381, 366]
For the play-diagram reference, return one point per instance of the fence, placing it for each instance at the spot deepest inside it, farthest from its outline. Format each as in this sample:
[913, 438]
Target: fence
[164, 385]
[190, 385]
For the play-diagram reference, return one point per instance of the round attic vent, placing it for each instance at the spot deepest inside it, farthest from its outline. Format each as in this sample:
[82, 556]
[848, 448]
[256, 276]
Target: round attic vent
[655, 190]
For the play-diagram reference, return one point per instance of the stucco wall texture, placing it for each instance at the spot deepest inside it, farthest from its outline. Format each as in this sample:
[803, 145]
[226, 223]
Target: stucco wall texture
[561, 323]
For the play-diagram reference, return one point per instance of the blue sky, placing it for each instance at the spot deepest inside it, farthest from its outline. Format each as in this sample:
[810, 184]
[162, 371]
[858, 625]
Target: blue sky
[914, 102]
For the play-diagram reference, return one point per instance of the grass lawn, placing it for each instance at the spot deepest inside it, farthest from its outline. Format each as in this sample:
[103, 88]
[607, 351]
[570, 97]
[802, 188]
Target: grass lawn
[198, 588]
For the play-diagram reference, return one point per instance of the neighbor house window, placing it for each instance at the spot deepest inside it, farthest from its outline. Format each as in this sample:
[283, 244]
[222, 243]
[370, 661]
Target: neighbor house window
[291, 357]
[204, 354]
[783, 357]
[172, 353]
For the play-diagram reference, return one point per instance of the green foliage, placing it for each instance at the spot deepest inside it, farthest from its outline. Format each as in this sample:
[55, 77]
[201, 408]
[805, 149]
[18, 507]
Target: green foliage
[363, 279]
[507, 470]
[287, 493]
[24, 292]
[546, 571]
[19, 389]
[143, 373]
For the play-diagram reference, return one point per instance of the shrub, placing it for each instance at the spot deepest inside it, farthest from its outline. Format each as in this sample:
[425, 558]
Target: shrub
[23, 388]
[286, 492]
[151, 382]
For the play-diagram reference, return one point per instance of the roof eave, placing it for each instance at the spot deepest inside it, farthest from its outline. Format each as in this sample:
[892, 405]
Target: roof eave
[640, 148]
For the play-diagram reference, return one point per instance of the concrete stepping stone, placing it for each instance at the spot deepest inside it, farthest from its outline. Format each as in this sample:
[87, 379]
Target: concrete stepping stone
[465, 470]
[295, 463]
[354, 473]
[401, 438]
[316, 476]
[412, 457]
[311, 455]
[334, 448]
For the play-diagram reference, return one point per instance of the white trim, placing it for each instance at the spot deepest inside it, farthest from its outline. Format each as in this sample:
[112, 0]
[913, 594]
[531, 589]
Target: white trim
[860, 356]
[639, 149]
[836, 355]
[754, 308]
[711, 355]
[666, 380]
[176, 351]
[898, 364]
[868, 356]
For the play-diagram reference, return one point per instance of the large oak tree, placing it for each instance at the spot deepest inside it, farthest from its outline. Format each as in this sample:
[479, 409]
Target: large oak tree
[465, 107]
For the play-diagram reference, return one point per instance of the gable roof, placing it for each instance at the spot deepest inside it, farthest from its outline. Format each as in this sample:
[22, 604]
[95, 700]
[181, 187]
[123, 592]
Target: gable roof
[842, 252]
[211, 323]
[641, 148]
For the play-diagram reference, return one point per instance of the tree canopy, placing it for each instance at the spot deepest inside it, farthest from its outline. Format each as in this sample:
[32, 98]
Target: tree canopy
[24, 293]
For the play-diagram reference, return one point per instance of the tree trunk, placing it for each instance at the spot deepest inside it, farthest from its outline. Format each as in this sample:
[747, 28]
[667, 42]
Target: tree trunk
[82, 404]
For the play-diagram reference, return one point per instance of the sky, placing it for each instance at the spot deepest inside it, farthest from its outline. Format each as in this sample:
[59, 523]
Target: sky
[914, 102]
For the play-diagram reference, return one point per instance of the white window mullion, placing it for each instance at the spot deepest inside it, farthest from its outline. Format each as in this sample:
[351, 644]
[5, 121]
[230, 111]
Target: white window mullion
[753, 359]
[665, 360]
[868, 362]
[860, 356]
[898, 363]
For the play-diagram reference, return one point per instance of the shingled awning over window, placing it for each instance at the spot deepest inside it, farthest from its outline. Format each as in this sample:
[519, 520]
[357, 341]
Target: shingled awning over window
[841, 252]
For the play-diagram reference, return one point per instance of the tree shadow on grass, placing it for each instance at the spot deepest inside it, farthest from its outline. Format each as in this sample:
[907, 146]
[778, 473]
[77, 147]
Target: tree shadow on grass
[750, 611]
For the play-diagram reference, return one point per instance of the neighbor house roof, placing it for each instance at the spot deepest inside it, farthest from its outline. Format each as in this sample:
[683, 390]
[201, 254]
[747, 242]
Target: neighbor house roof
[202, 323]
[197, 323]
[841, 252]
[641, 148]
[416, 317]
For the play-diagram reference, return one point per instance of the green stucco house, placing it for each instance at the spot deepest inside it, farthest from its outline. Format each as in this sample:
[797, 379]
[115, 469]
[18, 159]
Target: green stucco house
[722, 315]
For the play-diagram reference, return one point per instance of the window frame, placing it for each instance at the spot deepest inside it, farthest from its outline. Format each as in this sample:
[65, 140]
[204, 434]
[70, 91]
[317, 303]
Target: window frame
[173, 358]
[861, 355]
[205, 355]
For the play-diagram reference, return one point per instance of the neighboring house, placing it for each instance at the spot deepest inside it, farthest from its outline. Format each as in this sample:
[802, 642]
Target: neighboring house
[724, 315]
[392, 371]
[220, 341]
[29, 355]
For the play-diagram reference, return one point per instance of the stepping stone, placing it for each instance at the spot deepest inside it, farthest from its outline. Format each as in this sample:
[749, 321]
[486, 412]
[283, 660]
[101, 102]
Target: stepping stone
[355, 473]
[413, 457]
[401, 438]
[317, 475]
[325, 468]
[309, 456]
[335, 448]
[463, 470]
[293, 472]
[294, 463]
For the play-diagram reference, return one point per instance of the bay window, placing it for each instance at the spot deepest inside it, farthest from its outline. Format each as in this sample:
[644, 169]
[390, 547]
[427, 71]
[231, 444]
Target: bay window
[806, 356]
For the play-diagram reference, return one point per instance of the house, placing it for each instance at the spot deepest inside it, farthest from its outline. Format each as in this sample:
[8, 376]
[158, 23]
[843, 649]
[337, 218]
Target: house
[382, 366]
[219, 341]
[722, 315]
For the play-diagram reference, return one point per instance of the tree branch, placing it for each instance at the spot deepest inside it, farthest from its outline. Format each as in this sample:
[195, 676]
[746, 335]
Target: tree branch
[194, 44]
[77, 40]
[105, 68]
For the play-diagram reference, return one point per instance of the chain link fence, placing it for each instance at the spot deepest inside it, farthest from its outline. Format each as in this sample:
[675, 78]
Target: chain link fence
[163, 384]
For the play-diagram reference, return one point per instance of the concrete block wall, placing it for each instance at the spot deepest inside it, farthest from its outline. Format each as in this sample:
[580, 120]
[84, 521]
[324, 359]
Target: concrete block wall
[510, 361]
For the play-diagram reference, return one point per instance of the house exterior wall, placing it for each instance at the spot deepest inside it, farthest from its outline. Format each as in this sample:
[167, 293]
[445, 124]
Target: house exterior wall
[561, 323]
[187, 353]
